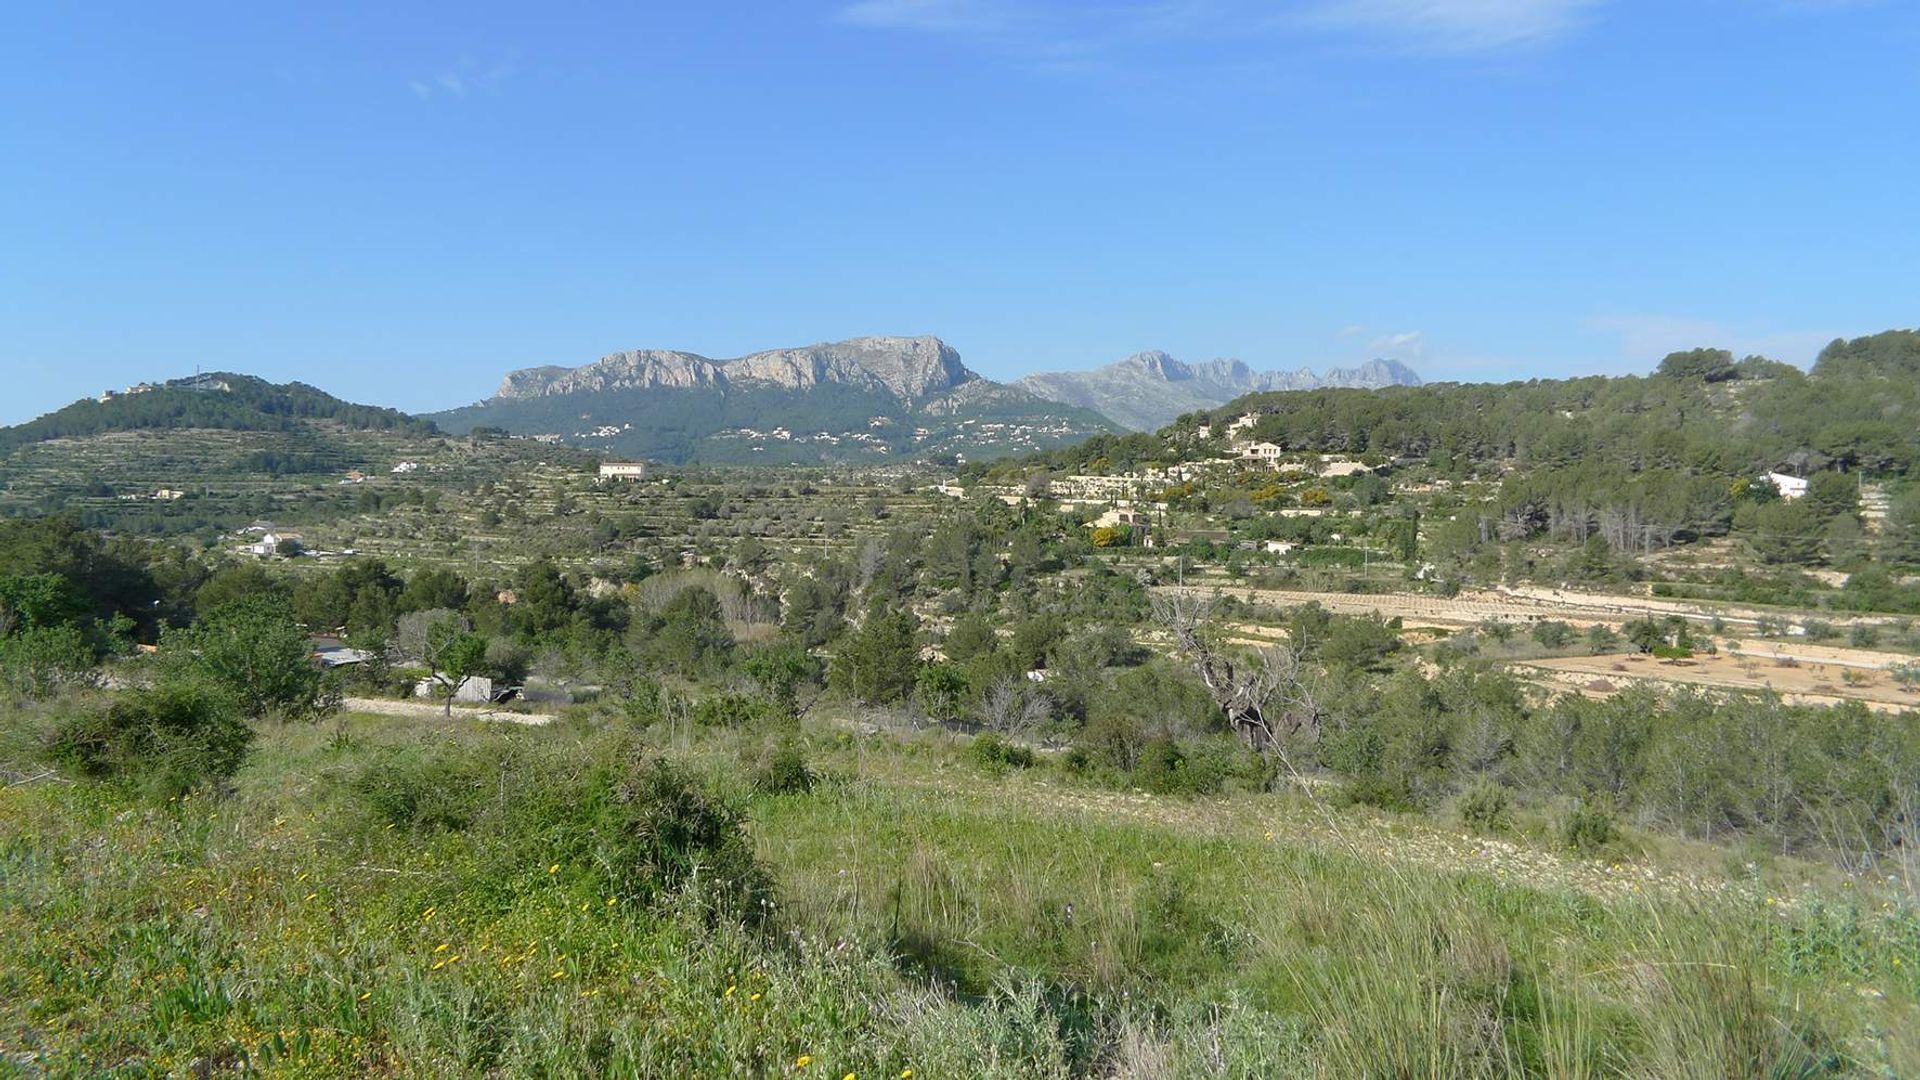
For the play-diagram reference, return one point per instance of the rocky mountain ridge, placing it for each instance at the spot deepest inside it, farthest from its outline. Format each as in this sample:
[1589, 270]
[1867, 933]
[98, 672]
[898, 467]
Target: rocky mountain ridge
[1147, 390]
[866, 399]
[912, 369]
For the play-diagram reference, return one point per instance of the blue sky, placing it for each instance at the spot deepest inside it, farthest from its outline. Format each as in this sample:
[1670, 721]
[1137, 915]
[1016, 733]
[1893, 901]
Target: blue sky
[400, 202]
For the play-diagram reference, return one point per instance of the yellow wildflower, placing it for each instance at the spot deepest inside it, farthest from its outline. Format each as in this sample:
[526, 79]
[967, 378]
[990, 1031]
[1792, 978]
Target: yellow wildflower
[729, 992]
[803, 1061]
[554, 869]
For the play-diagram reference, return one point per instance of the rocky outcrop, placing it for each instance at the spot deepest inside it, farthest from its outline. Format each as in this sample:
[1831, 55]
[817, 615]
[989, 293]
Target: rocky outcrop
[912, 369]
[1148, 390]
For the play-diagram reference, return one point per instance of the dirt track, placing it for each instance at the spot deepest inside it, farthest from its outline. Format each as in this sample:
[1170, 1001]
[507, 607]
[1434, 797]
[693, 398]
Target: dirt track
[1519, 605]
[1795, 681]
[427, 710]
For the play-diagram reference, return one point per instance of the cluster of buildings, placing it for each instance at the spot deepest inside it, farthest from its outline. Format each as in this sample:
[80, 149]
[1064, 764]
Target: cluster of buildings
[136, 388]
[269, 537]
[202, 384]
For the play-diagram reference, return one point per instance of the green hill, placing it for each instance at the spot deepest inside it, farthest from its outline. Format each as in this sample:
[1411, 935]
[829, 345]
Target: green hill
[213, 452]
[219, 401]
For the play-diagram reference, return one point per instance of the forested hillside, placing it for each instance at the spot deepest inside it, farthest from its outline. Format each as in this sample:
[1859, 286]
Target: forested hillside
[218, 401]
[1701, 412]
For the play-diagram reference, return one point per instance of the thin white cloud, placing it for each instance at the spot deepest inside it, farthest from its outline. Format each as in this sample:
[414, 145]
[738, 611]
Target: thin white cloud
[1409, 346]
[933, 16]
[1454, 27]
[463, 78]
[1043, 28]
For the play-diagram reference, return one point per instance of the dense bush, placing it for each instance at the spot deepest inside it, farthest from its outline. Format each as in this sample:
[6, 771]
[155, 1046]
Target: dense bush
[420, 788]
[783, 769]
[38, 663]
[165, 740]
[252, 653]
[1588, 831]
[1486, 807]
[995, 753]
[642, 827]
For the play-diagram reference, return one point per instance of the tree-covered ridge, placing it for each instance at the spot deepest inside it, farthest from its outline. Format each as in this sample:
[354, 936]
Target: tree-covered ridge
[1700, 412]
[219, 401]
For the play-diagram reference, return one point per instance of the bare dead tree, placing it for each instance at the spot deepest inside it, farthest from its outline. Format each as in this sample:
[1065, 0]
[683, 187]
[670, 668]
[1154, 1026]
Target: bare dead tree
[1265, 698]
[1011, 707]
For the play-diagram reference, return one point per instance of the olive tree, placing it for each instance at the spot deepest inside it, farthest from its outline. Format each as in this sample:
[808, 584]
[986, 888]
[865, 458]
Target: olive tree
[446, 644]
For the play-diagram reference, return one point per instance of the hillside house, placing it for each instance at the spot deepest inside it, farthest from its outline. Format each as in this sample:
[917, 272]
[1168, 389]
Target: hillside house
[623, 470]
[1263, 453]
[1138, 521]
[1791, 487]
[269, 543]
[1134, 519]
[1340, 466]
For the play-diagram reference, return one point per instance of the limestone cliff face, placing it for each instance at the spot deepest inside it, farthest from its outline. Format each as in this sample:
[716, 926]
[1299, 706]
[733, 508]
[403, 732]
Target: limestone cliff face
[911, 368]
[640, 368]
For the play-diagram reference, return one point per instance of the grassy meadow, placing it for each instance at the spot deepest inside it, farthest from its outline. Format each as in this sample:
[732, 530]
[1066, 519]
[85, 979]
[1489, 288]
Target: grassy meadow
[392, 896]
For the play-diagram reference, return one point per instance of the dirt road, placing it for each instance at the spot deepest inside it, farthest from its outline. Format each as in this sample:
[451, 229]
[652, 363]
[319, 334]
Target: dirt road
[427, 710]
[1518, 605]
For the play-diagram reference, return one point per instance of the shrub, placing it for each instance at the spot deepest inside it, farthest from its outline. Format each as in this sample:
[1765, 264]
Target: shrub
[38, 662]
[783, 771]
[996, 753]
[671, 830]
[166, 740]
[1485, 807]
[1380, 792]
[1587, 831]
[252, 653]
[416, 787]
[1191, 767]
[727, 710]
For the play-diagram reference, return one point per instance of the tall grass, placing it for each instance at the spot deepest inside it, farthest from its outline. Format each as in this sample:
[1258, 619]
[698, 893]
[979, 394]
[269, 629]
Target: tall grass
[434, 901]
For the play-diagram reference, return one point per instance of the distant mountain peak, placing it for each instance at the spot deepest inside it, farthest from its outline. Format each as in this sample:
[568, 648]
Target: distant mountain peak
[1148, 389]
[910, 368]
[1154, 362]
[872, 398]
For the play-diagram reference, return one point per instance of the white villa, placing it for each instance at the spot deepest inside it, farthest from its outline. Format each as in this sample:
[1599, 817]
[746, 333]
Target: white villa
[1791, 487]
[623, 470]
